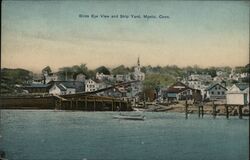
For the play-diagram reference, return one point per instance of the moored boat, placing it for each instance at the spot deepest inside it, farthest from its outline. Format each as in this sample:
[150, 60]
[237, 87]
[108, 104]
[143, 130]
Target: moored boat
[130, 117]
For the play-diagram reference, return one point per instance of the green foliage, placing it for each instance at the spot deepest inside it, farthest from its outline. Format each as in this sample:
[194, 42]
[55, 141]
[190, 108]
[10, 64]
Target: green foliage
[103, 70]
[72, 72]
[243, 69]
[16, 76]
[121, 70]
[156, 81]
[11, 77]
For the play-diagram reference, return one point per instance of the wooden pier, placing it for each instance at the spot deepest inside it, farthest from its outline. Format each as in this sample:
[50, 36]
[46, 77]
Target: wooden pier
[229, 110]
[92, 103]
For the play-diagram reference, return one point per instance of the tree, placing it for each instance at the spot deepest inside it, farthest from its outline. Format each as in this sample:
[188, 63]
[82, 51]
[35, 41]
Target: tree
[103, 70]
[120, 70]
[47, 70]
[65, 73]
[16, 76]
[72, 72]
[155, 81]
[212, 71]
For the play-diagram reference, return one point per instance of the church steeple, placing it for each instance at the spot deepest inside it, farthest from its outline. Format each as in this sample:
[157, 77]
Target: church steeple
[138, 61]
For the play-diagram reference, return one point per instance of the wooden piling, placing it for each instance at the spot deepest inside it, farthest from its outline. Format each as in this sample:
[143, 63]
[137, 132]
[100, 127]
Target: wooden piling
[60, 106]
[240, 112]
[199, 111]
[71, 103]
[144, 100]
[76, 104]
[186, 109]
[127, 104]
[227, 112]
[102, 105]
[120, 105]
[112, 104]
[214, 110]
[86, 104]
[202, 111]
[94, 104]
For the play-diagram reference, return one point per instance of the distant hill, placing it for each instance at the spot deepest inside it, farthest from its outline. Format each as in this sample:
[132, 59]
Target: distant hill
[12, 77]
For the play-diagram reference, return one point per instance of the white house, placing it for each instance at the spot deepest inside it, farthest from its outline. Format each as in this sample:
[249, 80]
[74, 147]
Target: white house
[61, 89]
[238, 94]
[66, 87]
[101, 76]
[94, 85]
[200, 77]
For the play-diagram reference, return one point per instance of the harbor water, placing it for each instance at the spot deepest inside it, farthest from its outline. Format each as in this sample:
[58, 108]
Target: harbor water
[66, 135]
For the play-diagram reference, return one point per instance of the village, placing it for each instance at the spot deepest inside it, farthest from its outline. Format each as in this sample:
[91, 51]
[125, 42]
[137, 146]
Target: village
[194, 89]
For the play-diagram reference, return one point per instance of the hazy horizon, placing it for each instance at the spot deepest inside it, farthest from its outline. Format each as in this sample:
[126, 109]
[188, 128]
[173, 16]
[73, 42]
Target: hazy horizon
[36, 34]
[110, 68]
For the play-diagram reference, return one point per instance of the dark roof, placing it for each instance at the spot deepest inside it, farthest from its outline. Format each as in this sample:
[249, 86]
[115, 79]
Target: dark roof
[242, 86]
[213, 85]
[97, 81]
[174, 89]
[38, 86]
[78, 85]
[60, 87]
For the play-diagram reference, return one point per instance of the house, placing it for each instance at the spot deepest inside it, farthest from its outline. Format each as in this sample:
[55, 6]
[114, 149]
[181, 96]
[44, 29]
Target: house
[197, 85]
[220, 79]
[120, 78]
[117, 92]
[61, 89]
[101, 76]
[221, 73]
[216, 91]
[201, 77]
[178, 91]
[37, 88]
[66, 87]
[50, 77]
[94, 85]
[238, 94]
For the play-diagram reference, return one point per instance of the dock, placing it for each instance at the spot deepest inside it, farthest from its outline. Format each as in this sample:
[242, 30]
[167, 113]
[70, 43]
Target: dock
[229, 109]
[92, 103]
[57, 102]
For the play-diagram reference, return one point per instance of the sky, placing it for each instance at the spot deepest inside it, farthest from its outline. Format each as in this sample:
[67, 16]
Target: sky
[36, 34]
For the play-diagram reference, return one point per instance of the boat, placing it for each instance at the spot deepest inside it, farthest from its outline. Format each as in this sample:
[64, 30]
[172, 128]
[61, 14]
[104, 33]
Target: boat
[138, 109]
[130, 117]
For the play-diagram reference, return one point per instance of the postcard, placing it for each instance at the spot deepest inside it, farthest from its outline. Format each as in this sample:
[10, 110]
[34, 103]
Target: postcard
[124, 80]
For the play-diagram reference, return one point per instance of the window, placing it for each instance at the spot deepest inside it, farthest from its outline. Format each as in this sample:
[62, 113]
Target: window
[222, 92]
[218, 93]
[212, 92]
[215, 88]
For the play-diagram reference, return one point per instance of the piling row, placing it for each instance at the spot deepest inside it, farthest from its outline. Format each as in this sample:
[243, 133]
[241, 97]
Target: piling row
[93, 104]
[214, 111]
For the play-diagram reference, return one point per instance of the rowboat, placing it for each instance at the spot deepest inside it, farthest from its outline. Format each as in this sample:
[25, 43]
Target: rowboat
[130, 117]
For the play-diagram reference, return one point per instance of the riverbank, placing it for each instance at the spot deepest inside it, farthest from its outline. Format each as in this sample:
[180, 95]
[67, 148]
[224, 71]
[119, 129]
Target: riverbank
[208, 109]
